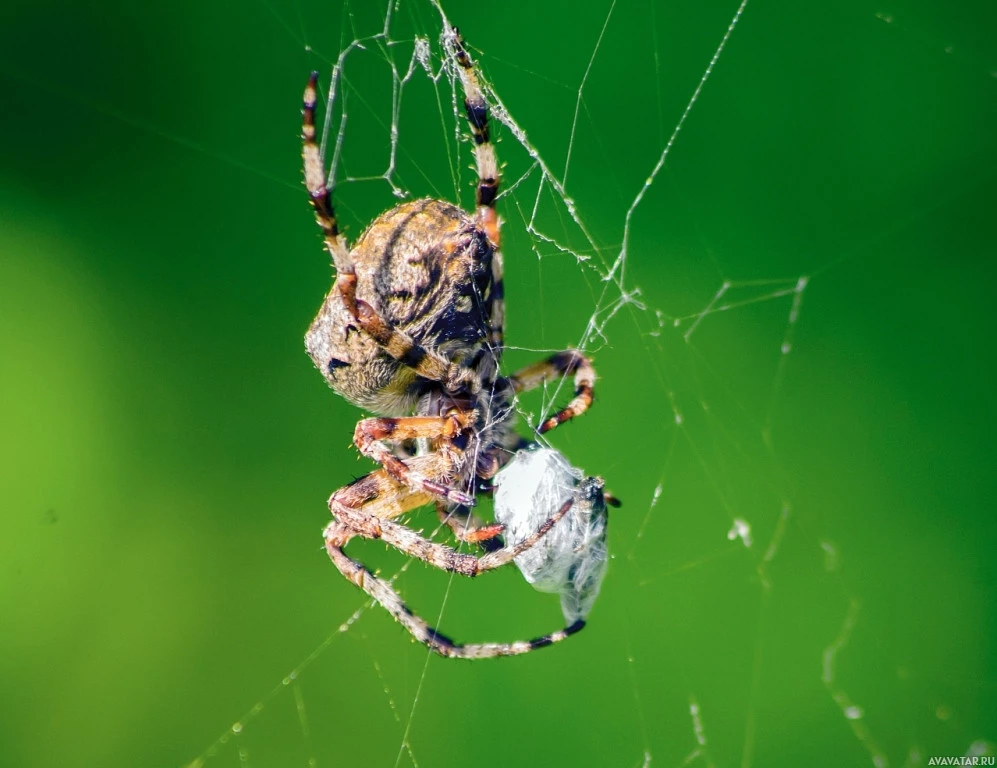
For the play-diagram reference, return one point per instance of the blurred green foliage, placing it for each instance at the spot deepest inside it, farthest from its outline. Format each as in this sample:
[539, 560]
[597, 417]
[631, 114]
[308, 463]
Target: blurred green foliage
[167, 446]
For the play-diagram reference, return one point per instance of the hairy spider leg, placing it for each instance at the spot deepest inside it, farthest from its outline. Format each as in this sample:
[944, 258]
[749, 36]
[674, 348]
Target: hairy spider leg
[364, 508]
[557, 365]
[318, 188]
[484, 152]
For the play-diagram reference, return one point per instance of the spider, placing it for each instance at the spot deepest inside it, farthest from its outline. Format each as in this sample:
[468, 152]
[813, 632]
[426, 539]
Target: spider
[412, 330]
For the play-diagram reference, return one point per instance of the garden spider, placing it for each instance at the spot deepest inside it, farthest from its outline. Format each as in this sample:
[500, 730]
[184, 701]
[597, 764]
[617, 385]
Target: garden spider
[413, 330]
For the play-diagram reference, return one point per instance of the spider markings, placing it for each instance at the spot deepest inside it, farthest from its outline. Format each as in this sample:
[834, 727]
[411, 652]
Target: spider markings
[412, 330]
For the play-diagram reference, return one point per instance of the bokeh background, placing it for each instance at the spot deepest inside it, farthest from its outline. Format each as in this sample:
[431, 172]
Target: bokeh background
[167, 447]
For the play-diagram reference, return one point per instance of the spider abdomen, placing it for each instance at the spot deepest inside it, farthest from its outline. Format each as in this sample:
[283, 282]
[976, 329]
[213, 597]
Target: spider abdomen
[427, 270]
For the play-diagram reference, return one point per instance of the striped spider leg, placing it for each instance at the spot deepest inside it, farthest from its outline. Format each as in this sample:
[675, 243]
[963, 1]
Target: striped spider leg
[367, 507]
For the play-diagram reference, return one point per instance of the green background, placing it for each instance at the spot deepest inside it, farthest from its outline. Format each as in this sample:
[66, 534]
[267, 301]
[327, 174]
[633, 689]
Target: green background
[167, 447]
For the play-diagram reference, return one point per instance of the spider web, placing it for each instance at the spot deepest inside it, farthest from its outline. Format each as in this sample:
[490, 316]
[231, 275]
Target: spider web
[738, 212]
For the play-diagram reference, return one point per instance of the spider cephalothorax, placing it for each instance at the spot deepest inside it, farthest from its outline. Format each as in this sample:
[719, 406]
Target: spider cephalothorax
[413, 330]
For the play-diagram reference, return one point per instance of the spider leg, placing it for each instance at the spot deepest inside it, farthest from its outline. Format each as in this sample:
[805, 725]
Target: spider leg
[318, 189]
[466, 564]
[560, 364]
[484, 152]
[364, 508]
[336, 536]
[469, 528]
[369, 439]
